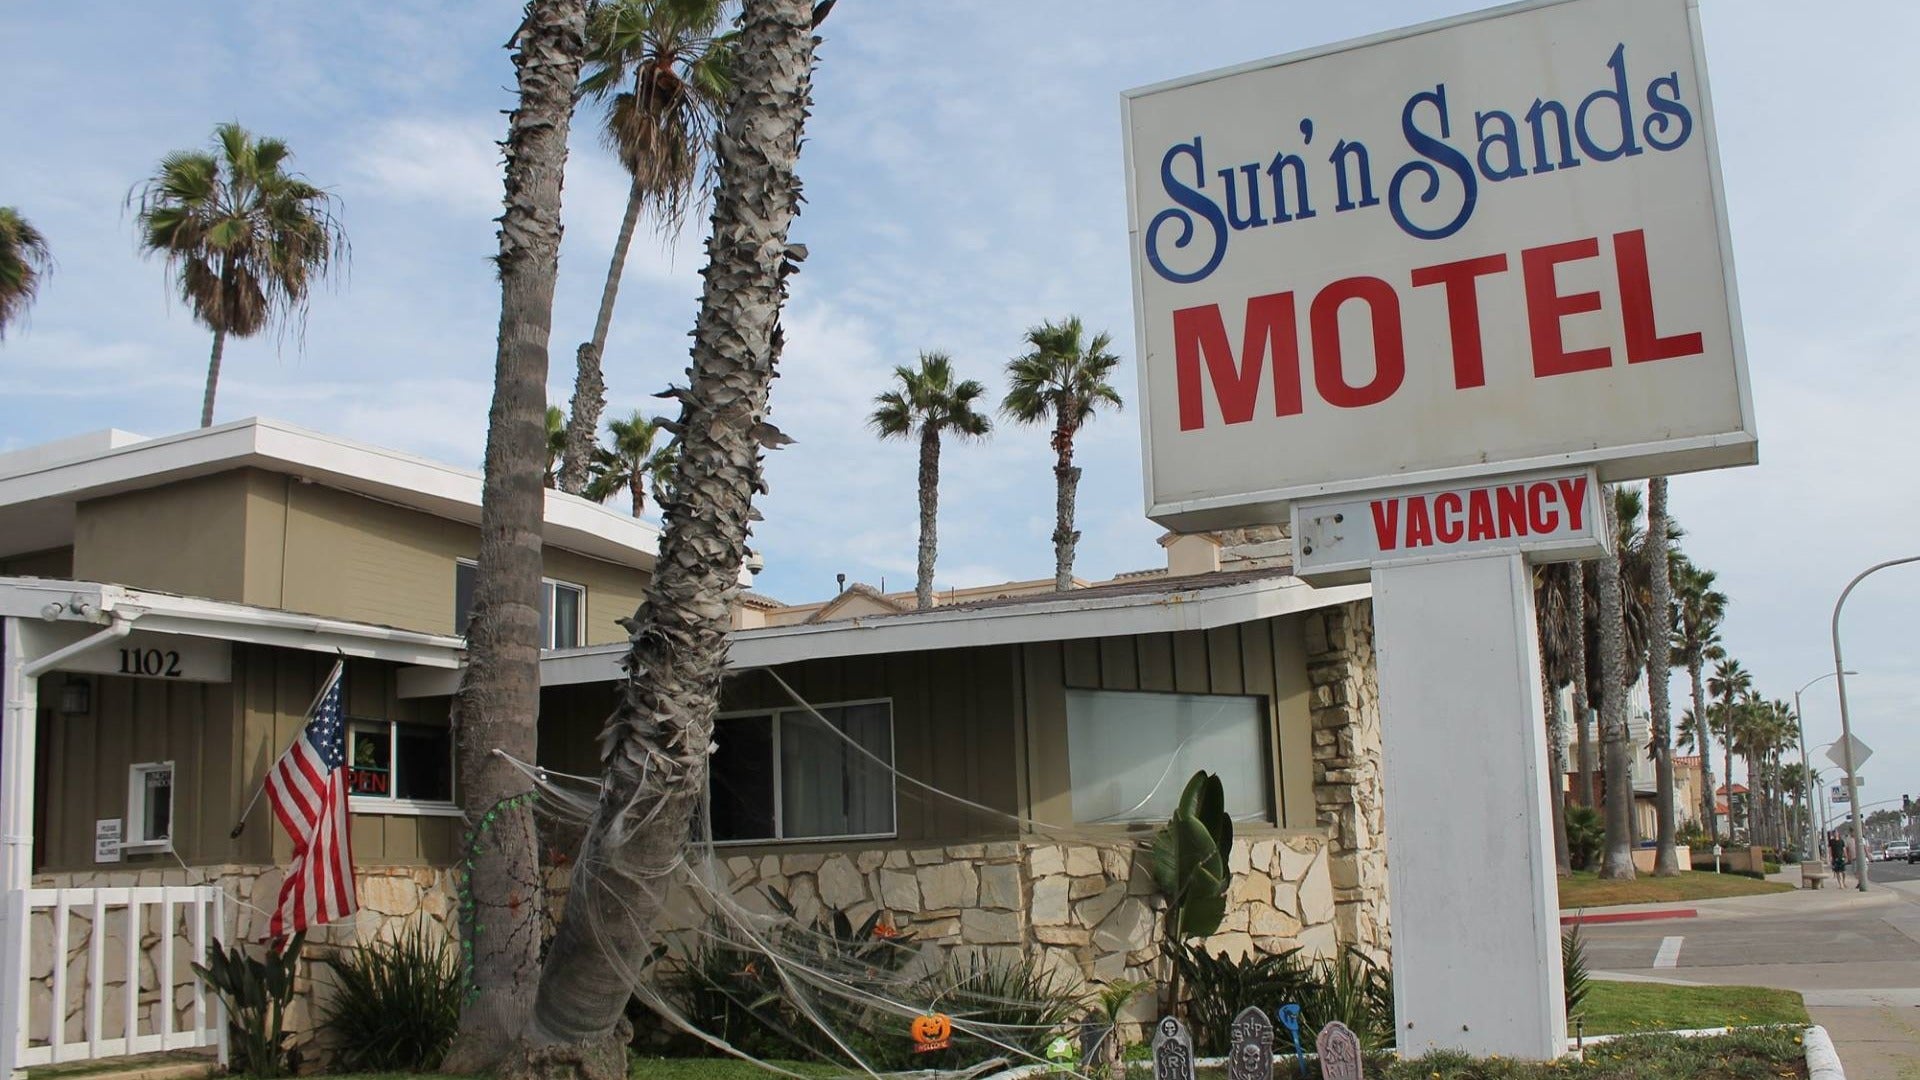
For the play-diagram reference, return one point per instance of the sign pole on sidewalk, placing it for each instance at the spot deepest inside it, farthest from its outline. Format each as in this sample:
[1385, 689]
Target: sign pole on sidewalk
[1374, 297]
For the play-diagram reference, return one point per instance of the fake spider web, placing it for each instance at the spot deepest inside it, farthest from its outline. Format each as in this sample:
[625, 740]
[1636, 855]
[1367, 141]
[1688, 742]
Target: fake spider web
[759, 980]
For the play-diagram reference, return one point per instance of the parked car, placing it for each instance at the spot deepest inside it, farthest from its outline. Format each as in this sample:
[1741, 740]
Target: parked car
[1900, 849]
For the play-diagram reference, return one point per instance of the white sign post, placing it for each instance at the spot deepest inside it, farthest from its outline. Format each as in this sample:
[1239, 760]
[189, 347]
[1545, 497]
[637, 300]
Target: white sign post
[1423, 294]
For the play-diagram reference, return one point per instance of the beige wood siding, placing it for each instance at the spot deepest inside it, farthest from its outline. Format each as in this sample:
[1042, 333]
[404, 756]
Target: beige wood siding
[222, 738]
[186, 537]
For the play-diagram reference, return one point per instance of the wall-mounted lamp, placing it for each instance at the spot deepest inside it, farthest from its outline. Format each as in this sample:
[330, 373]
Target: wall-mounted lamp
[76, 697]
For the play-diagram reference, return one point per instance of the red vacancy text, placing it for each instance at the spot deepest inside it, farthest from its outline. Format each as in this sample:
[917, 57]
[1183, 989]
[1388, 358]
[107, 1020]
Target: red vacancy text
[1538, 508]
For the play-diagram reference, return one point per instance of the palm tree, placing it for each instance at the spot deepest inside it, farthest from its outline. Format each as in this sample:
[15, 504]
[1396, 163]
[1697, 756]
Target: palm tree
[1730, 683]
[627, 464]
[927, 403]
[1696, 641]
[244, 240]
[1666, 858]
[25, 262]
[1615, 677]
[661, 69]
[1577, 613]
[1559, 641]
[498, 699]
[1062, 378]
[656, 745]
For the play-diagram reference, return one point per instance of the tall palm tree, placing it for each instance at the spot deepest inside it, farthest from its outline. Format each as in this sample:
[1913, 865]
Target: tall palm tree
[1696, 642]
[1578, 611]
[1730, 683]
[1616, 673]
[1666, 857]
[661, 69]
[1559, 640]
[499, 694]
[656, 745]
[928, 404]
[244, 240]
[1063, 377]
[628, 463]
[25, 262]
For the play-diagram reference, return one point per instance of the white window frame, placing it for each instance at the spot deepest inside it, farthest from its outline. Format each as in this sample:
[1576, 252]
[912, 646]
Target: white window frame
[133, 839]
[382, 804]
[547, 585]
[779, 781]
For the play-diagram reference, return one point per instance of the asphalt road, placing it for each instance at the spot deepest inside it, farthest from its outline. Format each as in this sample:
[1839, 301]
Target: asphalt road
[1854, 956]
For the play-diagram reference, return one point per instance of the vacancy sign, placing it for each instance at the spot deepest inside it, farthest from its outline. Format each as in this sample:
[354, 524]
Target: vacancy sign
[1551, 516]
[1494, 244]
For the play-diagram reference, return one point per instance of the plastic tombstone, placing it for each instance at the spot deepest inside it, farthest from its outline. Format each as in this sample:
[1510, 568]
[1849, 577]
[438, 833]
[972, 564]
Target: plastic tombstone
[1172, 1050]
[1250, 1053]
[1289, 1016]
[1339, 1052]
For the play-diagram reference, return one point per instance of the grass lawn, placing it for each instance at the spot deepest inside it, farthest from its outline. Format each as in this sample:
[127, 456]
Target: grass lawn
[1616, 1007]
[1585, 889]
[1745, 1055]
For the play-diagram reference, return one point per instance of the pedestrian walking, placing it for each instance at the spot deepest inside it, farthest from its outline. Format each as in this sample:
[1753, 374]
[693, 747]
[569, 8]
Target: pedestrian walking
[1837, 851]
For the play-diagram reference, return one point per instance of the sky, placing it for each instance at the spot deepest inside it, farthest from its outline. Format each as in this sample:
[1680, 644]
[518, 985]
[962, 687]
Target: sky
[964, 182]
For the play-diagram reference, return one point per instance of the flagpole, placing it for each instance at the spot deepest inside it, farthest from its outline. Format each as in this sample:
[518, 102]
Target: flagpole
[332, 677]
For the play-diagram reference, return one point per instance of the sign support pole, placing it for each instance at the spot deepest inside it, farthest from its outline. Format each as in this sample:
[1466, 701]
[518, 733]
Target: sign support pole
[1476, 929]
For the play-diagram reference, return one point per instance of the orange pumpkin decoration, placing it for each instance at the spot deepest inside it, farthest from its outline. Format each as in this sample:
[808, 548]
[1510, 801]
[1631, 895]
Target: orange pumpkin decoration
[933, 1031]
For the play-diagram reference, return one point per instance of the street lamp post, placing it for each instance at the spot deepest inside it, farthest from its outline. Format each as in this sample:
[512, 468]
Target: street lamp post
[1806, 772]
[1846, 727]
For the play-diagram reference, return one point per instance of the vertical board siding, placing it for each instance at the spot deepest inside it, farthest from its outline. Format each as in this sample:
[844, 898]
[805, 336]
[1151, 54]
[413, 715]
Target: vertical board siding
[221, 738]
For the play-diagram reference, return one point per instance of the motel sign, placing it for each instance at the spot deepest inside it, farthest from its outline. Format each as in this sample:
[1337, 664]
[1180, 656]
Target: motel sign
[1424, 294]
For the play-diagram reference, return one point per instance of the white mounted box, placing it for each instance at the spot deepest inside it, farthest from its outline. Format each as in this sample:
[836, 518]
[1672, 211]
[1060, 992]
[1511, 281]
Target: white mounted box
[1486, 245]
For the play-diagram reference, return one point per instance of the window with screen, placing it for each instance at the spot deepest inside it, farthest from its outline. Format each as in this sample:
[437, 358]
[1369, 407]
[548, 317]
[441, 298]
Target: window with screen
[563, 607]
[1129, 754]
[787, 774]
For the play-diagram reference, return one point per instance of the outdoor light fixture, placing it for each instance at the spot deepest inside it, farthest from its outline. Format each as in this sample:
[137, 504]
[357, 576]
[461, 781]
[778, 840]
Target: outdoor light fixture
[76, 697]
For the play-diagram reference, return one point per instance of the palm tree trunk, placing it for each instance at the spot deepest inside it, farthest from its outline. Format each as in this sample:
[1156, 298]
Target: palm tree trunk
[1726, 739]
[1666, 857]
[1615, 743]
[1708, 813]
[929, 513]
[499, 696]
[1581, 699]
[656, 744]
[1066, 480]
[637, 489]
[1557, 790]
[213, 375]
[589, 383]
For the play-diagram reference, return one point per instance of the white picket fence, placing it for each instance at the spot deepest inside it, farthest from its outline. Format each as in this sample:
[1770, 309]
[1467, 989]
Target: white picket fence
[119, 978]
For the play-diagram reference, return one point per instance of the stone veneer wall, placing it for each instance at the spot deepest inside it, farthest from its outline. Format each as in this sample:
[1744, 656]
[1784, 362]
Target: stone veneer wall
[1346, 768]
[390, 898]
[1089, 912]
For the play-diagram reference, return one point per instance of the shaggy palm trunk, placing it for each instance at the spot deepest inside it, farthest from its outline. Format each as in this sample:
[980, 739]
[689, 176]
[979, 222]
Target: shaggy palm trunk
[929, 514]
[1666, 858]
[1582, 700]
[213, 376]
[637, 491]
[655, 746]
[1615, 743]
[589, 384]
[1066, 480]
[1557, 791]
[1708, 813]
[499, 696]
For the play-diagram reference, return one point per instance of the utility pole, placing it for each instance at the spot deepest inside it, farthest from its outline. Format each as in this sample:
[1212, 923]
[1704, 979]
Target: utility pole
[1846, 727]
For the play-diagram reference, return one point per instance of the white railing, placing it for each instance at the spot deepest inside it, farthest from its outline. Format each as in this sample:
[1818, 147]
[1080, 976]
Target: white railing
[79, 985]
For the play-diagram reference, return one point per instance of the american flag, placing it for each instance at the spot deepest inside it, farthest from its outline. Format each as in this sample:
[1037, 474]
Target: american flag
[308, 790]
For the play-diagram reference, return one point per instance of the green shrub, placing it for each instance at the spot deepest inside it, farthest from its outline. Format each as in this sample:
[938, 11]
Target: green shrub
[1586, 835]
[257, 993]
[1354, 990]
[1221, 986]
[995, 1004]
[397, 1003]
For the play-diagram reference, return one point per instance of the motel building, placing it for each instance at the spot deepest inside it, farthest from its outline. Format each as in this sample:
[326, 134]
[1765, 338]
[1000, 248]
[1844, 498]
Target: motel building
[171, 606]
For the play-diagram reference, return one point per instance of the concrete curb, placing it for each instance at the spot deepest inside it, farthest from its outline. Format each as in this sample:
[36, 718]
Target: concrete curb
[1823, 1062]
[1583, 919]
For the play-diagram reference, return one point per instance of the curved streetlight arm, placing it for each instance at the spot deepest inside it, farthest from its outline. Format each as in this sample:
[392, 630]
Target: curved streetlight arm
[1846, 727]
